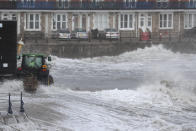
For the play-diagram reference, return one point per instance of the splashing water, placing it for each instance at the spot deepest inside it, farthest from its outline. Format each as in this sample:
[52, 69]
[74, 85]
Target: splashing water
[147, 89]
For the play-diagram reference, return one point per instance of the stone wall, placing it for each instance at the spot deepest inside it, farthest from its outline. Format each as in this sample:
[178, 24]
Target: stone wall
[83, 49]
[76, 49]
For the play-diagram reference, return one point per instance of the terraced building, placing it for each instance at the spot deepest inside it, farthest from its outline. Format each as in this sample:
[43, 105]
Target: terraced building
[45, 17]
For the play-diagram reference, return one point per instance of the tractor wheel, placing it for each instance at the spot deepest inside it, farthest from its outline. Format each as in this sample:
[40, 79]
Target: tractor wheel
[50, 80]
[47, 80]
[30, 83]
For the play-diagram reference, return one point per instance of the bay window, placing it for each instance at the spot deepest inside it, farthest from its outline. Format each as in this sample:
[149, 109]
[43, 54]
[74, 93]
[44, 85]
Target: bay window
[130, 3]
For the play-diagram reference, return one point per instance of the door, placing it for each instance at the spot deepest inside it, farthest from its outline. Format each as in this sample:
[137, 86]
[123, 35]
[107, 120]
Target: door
[8, 35]
[145, 22]
[75, 24]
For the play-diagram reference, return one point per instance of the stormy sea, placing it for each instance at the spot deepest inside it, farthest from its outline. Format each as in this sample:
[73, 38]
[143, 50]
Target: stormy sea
[150, 89]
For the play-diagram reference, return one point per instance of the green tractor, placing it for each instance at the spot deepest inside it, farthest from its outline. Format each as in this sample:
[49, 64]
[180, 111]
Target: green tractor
[34, 68]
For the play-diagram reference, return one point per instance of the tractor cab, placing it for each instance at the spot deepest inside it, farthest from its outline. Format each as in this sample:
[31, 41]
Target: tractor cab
[33, 62]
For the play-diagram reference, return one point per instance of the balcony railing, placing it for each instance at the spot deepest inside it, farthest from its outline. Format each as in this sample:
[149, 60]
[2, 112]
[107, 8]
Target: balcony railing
[7, 5]
[96, 5]
[36, 5]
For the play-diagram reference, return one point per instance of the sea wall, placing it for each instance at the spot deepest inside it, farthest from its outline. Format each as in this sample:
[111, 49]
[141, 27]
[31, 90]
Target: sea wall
[187, 45]
[81, 49]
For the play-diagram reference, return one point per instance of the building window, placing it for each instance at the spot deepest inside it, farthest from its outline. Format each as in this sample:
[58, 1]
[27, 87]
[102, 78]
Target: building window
[5, 17]
[36, 21]
[63, 3]
[101, 21]
[32, 22]
[166, 21]
[75, 21]
[130, 3]
[84, 22]
[30, 1]
[189, 21]
[14, 17]
[9, 16]
[126, 21]
[192, 1]
[142, 18]
[149, 20]
[59, 21]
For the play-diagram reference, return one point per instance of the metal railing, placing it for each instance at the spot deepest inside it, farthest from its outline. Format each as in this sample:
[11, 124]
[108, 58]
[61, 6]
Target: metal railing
[129, 36]
[86, 5]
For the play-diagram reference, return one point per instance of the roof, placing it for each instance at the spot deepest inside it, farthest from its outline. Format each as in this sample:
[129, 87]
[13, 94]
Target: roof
[37, 55]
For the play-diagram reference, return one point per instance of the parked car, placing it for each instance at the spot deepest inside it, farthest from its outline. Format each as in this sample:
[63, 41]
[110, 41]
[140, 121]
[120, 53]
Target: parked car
[111, 33]
[64, 34]
[95, 33]
[79, 33]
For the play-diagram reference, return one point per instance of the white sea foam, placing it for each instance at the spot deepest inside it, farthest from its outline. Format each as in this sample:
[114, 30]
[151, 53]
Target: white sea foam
[149, 89]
